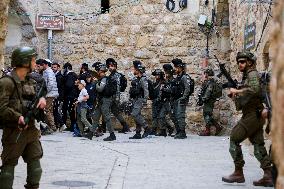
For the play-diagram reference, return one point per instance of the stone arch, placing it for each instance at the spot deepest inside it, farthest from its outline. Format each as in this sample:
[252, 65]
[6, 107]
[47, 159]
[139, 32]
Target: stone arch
[20, 29]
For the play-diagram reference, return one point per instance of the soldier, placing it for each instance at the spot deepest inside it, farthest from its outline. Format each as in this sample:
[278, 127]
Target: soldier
[20, 136]
[165, 100]
[106, 88]
[139, 93]
[208, 98]
[112, 66]
[182, 88]
[156, 101]
[248, 99]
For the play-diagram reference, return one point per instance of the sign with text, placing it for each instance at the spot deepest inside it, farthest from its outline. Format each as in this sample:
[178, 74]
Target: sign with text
[250, 31]
[49, 22]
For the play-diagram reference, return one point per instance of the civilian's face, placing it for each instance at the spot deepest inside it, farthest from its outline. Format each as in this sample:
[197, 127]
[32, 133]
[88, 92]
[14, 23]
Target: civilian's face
[54, 68]
[40, 67]
[111, 67]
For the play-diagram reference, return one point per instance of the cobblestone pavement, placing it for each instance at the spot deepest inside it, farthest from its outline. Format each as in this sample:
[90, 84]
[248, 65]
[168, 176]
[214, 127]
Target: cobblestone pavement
[152, 163]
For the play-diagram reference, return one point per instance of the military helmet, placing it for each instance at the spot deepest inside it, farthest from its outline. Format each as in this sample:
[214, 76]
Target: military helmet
[247, 55]
[141, 68]
[209, 72]
[101, 67]
[110, 61]
[22, 56]
[178, 63]
[158, 72]
[168, 68]
[137, 63]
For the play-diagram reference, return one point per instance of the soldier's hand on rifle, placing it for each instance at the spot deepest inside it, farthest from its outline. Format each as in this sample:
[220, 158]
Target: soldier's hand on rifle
[41, 103]
[264, 113]
[21, 123]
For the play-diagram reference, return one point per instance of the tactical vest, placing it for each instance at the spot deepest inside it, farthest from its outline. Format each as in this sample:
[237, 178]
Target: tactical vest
[136, 89]
[178, 87]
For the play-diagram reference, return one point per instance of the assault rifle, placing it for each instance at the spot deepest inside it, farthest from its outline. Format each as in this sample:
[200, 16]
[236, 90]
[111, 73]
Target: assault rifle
[32, 110]
[265, 80]
[201, 93]
[231, 83]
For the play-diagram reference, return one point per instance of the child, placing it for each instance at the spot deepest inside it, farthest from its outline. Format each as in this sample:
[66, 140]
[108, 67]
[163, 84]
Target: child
[82, 108]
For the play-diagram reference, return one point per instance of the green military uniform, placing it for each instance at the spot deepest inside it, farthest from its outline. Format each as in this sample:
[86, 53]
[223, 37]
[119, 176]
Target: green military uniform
[248, 100]
[13, 100]
[251, 123]
[208, 99]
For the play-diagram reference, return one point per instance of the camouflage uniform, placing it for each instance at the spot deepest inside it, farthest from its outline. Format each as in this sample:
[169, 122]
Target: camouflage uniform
[116, 101]
[13, 103]
[251, 123]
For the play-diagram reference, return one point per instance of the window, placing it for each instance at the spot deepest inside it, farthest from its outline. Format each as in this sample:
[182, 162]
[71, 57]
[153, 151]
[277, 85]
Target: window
[105, 6]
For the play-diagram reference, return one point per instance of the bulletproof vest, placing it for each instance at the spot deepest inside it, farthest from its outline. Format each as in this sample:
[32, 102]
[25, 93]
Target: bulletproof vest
[136, 88]
[178, 87]
[166, 91]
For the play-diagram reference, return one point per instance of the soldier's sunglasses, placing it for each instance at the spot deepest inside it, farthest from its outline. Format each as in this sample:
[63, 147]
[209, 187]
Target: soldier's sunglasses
[242, 62]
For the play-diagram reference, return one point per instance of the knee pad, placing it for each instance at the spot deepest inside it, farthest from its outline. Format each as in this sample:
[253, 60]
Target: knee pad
[7, 177]
[34, 173]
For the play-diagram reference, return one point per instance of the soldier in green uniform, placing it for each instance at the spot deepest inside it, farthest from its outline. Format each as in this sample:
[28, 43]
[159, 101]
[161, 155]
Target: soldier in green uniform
[208, 98]
[248, 99]
[181, 89]
[20, 137]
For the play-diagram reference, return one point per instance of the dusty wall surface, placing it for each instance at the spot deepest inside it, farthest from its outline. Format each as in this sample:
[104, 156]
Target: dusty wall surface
[139, 29]
[3, 28]
[277, 87]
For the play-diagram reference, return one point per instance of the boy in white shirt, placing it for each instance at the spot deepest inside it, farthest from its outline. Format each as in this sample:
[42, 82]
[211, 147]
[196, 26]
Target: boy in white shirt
[82, 108]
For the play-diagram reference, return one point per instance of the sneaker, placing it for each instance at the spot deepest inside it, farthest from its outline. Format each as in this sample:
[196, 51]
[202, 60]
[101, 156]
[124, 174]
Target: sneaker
[62, 128]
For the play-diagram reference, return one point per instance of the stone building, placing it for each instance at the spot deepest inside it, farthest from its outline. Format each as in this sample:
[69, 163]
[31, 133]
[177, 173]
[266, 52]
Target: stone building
[147, 30]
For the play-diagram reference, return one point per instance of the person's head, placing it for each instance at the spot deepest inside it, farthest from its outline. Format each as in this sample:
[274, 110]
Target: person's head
[111, 64]
[101, 70]
[245, 60]
[178, 65]
[84, 67]
[139, 69]
[24, 58]
[169, 70]
[43, 64]
[55, 67]
[159, 74]
[67, 66]
[81, 84]
[208, 73]
[89, 78]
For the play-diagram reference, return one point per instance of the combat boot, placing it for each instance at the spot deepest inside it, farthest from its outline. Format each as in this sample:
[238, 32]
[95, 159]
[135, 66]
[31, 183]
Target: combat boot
[177, 133]
[124, 129]
[237, 176]
[170, 131]
[153, 132]
[111, 137]
[181, 135]
[89, 135]
[162, 133]
[205, 132]
[219, 128]
[147, 132]
[136, 136]
[266, 180]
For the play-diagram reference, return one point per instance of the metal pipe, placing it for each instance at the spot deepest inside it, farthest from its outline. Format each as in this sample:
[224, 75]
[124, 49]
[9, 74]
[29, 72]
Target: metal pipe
[49, 50]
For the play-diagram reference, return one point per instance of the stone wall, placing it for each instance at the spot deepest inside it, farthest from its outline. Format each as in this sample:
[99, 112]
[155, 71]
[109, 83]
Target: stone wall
[141, 29]
[277, 87]
[3, 28]
[241, 14]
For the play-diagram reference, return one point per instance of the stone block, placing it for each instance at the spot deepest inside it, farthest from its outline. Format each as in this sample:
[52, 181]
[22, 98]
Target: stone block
[194, 116]
[157, 40]
[143, 54]
[142, 41]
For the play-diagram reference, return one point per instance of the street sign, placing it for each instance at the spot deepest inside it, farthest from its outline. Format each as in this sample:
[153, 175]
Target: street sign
[49, 22]
[250, 31]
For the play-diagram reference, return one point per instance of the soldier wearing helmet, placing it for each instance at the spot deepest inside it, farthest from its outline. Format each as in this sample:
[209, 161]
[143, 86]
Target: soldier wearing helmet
[182, 88]
[106, 88]
[248, 100]
[208, 98]
[20, 136]
[139, 93]
[156, 104]
[115, 75]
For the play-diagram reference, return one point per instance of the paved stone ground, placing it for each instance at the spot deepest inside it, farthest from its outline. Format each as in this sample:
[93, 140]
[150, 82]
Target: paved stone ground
[152, 163]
